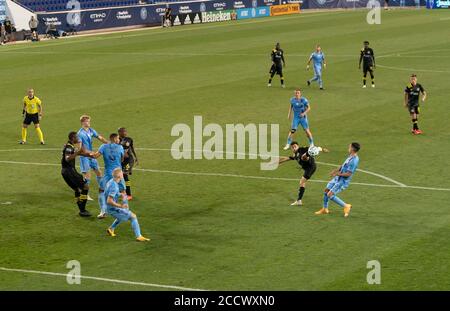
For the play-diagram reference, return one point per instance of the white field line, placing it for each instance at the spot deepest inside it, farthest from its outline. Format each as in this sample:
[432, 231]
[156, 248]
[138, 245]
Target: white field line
[103, 279]
[234, 153]
[266, 155]
[412, 69]
[241, 176]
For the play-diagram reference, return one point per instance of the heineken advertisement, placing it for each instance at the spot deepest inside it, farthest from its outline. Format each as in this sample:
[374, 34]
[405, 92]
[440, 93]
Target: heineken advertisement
[218, 16]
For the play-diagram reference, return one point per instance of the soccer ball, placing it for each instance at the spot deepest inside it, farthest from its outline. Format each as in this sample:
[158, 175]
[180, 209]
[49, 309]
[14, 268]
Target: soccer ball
[314, 151]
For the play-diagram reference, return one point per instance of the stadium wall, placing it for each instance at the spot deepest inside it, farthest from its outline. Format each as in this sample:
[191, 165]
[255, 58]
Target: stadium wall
[188, 12]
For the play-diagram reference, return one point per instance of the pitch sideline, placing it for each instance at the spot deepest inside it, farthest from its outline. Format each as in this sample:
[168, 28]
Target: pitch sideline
[103, 279]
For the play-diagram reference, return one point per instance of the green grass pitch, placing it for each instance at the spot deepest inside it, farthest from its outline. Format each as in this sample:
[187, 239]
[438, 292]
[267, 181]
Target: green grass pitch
[223, 233]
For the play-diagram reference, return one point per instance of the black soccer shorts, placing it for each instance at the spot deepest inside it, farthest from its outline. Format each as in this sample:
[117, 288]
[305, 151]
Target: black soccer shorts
[127, 167]
[73, 179]
[309, 172]
[413, 109]
[276, 69]
[367, 68]
[34, 117]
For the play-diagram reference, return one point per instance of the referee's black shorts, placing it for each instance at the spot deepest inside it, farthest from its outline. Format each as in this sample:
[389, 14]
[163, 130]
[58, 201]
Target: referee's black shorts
[73, 179]
[34, 117]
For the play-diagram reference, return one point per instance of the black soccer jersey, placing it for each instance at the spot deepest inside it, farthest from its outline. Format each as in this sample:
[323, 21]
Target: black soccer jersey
[367, 56]
[277, 56]
[127, 144]
[68, 150]
[306, 164]
[413, 92]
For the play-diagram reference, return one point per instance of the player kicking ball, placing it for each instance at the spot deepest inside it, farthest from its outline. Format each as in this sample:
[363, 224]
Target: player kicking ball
[305, 158]
[298, 109]
[341, 180]
[119, 211]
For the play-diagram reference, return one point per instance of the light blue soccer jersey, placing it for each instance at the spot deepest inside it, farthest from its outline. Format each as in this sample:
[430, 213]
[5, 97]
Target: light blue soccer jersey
[112, 156]
[350, 165]
[86, 137]
[318, 59]
[299, 106]
[112, 190]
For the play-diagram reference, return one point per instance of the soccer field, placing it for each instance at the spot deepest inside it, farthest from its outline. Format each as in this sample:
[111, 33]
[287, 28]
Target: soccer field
[225, 224]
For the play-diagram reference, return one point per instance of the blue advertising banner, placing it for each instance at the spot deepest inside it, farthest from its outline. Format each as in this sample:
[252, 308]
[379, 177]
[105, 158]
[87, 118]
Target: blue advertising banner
[2, 10]
[211, 6]
[146, 15]
[253, 12]
[438, 4]
[102, 18]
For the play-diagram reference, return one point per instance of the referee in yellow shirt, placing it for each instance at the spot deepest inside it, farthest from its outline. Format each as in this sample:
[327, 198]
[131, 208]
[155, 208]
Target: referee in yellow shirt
[32, 111]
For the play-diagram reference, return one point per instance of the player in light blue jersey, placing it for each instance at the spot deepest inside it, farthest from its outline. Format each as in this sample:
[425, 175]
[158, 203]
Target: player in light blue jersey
[318, 59]
[113, 154]
[120, 211]
[298, 109]
[341, 180]
[86, 134]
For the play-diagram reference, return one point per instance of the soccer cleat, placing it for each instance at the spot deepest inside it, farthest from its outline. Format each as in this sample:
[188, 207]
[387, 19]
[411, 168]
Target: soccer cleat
[283, 86]
[142, 239]
[418, 132]
[373, 85]
[42, 143]
[269, 84]
[89, 198]
[102, 215]
[322, 211]
[110, 232]
[347, 209]
[129, 197]
[321, 88]
[308, 82]
[297, 203]
[22, 142]
[364, 86]
[85, 213]
[286, 147]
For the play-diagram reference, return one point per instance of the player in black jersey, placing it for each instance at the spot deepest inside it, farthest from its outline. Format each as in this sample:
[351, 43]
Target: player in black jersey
[75, 180]
[367, 57]
[130, 158]
[278, 63]
[412, 93]
[306, 161]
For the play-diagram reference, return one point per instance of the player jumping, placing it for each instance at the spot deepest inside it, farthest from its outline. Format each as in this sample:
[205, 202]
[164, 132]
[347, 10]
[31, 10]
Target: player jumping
[129, 160]
[367, 56]
[299, 107]
[412, 93]
[120, 211]
[318, 59]
[277, 64]
[341, 180]
[86, 164]
[305, 159]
